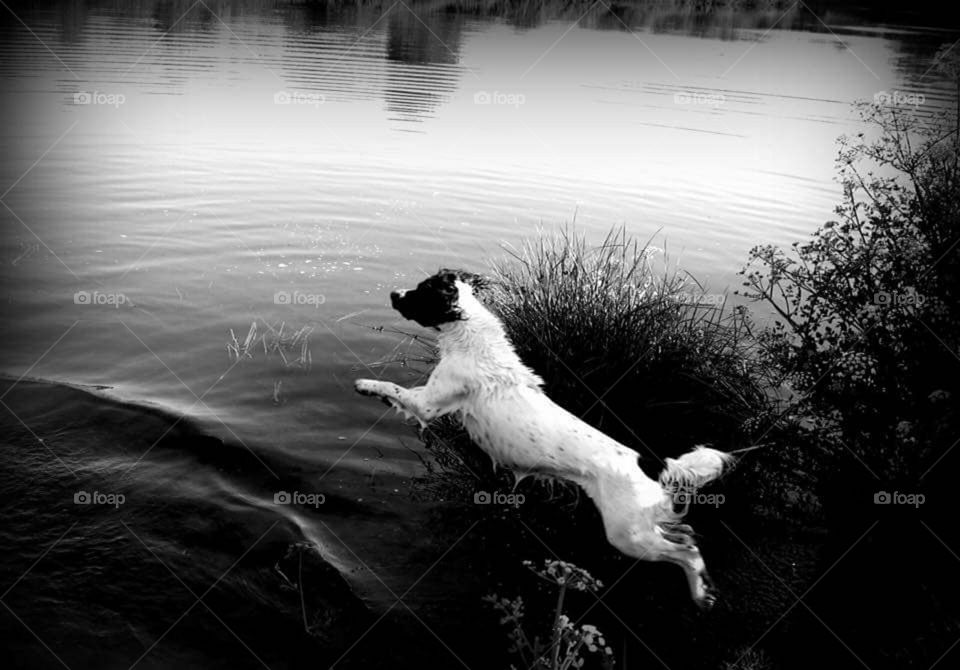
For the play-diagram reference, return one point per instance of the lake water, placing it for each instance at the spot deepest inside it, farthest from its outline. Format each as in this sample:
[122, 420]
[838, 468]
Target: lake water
[173, 171]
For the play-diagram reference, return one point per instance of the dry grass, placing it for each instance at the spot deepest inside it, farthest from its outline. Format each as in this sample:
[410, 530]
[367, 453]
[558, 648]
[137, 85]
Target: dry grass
[291, 345]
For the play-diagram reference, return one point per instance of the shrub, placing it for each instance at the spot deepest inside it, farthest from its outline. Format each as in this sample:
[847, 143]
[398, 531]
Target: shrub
[867, 310]
[867, 337]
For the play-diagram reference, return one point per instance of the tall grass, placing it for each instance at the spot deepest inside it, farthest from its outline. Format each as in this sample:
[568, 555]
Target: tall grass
[632, 345]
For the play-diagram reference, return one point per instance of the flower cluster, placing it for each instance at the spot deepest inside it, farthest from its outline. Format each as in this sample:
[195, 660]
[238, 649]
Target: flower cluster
[567, 641]
[566, 574]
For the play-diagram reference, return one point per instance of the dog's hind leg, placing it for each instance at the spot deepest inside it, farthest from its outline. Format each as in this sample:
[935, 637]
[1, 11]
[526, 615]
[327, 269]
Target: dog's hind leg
[652, 546]
[646, 530]
[688, 557]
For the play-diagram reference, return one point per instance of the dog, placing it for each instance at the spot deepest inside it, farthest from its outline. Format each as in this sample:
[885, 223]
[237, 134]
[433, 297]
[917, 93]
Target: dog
[503, 408]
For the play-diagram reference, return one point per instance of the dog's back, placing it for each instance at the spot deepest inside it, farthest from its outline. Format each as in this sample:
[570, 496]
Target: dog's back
[522, 428]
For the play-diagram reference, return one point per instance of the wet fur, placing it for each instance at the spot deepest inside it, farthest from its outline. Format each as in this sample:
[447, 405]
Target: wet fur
[503, 408]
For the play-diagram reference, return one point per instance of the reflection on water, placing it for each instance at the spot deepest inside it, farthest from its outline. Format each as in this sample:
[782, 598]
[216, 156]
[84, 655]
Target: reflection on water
[418, 33]
[701, 18]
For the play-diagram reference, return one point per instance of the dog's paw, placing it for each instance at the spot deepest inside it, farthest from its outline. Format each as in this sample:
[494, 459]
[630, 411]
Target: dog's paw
[366, 387]
[708, 593]
[707, 602]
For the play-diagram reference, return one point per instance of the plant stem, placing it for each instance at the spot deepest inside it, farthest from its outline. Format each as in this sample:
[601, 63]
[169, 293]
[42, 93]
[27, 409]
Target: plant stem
[556, 627]
[303, 604]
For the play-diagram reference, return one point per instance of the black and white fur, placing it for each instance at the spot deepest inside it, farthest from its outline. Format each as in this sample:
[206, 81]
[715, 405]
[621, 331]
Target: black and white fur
[501, 404]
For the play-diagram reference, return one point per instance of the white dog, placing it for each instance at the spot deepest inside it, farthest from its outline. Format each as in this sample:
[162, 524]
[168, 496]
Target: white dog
[505, 412]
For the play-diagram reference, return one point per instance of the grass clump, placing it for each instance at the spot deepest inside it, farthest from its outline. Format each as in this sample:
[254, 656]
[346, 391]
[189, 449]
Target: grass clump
[641, 351]
[291, 345]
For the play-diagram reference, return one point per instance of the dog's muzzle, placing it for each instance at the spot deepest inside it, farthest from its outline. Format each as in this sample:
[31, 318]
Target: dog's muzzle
[401, 302]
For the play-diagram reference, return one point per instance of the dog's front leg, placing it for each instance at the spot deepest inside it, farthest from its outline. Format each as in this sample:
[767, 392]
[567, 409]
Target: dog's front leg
[425, 403]
[386, 391]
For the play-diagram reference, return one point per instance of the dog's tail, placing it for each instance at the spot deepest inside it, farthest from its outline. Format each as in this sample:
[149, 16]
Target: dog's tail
[694, 469]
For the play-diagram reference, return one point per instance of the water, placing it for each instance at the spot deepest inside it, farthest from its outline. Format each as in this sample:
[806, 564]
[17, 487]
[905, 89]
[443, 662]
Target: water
[172, 168]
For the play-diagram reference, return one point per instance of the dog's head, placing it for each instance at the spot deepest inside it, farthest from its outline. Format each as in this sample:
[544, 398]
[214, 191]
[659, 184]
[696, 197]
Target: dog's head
[436, 300]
